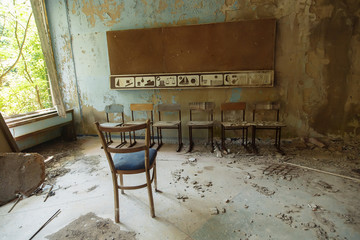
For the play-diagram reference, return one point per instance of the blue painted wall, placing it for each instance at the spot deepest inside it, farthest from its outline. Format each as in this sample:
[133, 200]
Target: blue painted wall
[306, 65]
[78, 30]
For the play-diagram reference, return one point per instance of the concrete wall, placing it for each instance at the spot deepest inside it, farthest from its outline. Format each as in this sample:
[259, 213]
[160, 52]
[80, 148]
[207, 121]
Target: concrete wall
[317, 58]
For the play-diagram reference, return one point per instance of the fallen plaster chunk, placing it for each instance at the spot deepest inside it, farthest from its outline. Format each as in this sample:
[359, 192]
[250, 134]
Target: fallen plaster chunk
[313, 207]
[214, 211]
[192, 160]
[208, 184]
[316, 142]
[20, 173]
[181, 196]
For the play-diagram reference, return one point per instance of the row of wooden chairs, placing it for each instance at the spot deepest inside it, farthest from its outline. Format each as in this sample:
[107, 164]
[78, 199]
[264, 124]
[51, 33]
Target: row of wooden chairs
[142, 158]
[232, 118]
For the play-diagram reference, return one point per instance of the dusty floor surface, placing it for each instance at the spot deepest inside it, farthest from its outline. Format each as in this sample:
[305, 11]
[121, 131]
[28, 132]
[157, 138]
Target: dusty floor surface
[204, 195]
[90, 226]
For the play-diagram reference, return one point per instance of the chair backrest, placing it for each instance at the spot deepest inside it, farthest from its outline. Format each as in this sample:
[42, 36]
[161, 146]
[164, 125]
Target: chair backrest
[141, 107]
[267, 107]
[146, 107]
[202, 107]
[124, 129]
[169, 107]
[114, 108]
[233, 106]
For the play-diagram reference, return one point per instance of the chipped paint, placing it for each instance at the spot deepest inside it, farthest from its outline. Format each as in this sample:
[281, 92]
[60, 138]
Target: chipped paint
[317, 58]
[179, 4]
[108, 12]
[162, 6]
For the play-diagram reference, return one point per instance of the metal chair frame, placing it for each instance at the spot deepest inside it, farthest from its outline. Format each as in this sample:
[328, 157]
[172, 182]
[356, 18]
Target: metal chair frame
[160, 125]
[236, 106]
[207, 107]
[115, 108]
[276, 125]
[142, 107]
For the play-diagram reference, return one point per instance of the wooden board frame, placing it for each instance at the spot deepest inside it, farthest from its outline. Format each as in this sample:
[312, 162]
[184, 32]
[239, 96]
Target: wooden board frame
[233, 79]
[7, 134]
[145, 55]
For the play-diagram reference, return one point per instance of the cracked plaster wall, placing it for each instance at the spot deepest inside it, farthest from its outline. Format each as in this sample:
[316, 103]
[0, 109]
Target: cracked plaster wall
[317, 65]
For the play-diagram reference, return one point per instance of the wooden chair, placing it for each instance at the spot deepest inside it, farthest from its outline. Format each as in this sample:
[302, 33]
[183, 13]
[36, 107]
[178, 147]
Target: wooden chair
[114, 109]
[133, 160]
[270, 110]
[233, 123]
[142, 107]
[208, 108]
[168, 124]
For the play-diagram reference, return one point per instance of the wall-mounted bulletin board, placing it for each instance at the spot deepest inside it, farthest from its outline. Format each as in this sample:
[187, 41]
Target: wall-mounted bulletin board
[231, 54]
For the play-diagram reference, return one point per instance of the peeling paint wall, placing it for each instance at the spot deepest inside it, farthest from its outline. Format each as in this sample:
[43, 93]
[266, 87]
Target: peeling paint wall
[317, 58]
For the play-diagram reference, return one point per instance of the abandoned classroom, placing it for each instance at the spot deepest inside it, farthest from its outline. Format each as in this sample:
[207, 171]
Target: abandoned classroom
[221, 119]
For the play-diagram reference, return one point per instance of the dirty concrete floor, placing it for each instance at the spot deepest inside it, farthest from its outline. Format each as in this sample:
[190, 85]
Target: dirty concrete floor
[237, 196]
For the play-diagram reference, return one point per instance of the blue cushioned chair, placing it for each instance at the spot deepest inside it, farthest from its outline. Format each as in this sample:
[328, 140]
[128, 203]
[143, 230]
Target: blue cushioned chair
[132, 160]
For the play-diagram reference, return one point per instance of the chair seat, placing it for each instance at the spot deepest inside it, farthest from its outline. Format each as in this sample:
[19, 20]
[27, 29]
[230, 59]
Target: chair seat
[200, 123]
[235, 124]
[135, 122]
[110, 124]
[133, 161]
[264, 124]
[166, 124]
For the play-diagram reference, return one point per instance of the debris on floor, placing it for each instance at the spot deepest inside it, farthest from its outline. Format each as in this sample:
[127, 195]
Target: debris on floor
[263, 190]
[181, 197]
[90, 226]
[250, 190]
[214, 211]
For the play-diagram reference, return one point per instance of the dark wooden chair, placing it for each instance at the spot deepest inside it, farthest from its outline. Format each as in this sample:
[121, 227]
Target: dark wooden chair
[142, 107]
[175, 124]
[114, 109]
[235, 122]
[132, 160]
[270, 121]
[202, 107]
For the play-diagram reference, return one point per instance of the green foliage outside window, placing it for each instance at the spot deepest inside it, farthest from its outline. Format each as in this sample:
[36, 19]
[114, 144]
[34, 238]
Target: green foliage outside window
[24, 86]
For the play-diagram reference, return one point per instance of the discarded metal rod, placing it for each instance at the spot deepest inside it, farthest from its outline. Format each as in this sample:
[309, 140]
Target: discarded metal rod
[325, 172]
[47, 195]
[17, 201]
[50, 219]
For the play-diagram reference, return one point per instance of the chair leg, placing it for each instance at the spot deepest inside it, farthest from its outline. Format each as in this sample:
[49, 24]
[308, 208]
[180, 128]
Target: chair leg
[121, 183]
[116, 199]
[212, 138]
[106, 137]
[152, 137]
[134, 142]
[276, 137]
[190, 140]
[246, 136]
[243, 136]
[155, 178]
[223, 137]
[253, 139]
[151, 200]
[279, 136]
[159, 138]
[179, 139]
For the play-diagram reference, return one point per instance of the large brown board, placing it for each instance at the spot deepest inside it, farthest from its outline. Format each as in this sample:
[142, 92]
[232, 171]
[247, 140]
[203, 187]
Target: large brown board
[230, 46]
